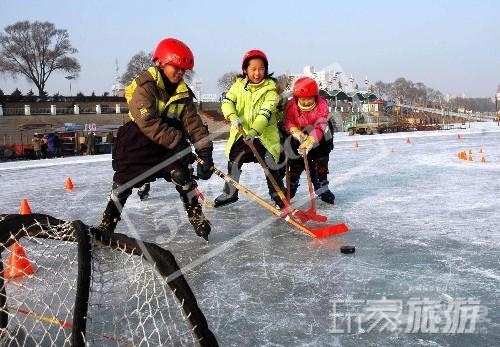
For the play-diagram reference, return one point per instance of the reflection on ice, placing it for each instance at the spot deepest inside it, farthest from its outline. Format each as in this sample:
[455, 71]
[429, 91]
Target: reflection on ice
[425, 226]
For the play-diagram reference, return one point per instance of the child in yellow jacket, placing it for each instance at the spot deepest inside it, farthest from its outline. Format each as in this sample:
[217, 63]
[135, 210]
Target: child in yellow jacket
[250, 105]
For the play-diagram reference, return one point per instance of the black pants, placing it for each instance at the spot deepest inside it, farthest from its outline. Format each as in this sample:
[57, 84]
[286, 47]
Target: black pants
[317, 158]
[241, 153]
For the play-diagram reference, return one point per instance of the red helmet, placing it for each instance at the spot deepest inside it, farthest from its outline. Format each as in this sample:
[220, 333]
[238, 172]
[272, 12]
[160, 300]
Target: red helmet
[305, 87]
[253, 53]
[174, 52]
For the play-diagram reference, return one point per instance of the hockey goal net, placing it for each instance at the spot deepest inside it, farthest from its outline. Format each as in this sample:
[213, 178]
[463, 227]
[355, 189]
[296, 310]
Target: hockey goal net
[92, 289]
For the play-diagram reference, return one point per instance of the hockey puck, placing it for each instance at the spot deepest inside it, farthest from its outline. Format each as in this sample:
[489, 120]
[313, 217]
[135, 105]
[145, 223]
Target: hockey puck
[347, 249]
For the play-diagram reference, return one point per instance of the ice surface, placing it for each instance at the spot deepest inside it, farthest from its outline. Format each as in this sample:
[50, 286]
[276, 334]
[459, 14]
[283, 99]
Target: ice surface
[425, 225]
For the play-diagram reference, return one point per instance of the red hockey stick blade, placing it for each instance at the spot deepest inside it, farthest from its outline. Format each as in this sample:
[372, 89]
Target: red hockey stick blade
[308, 215]
[329, 230]
[312, 215]
[301, 216]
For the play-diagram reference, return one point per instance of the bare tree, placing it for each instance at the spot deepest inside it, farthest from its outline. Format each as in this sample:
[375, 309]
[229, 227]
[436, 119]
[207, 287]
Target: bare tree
[420, 94]
[433, 98]
[141, 61]
[382, 89]
[283, 82]
[401, 90]
[137, 63]
[225, 82]
[35, 50]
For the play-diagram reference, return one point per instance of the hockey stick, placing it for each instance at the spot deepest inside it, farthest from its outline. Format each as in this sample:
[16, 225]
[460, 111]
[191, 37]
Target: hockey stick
[326, 231]
[311, 212]
[287, 175]
[301, 215]
[48, 319]
[203, 198]
[67, 325]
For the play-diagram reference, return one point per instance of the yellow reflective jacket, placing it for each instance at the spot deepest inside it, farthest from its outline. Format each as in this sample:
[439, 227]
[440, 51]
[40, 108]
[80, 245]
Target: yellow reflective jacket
[163, 118]
[255, 105]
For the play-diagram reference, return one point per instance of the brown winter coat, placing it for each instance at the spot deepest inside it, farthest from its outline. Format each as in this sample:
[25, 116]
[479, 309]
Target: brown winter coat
[167, 128]
[162, 126]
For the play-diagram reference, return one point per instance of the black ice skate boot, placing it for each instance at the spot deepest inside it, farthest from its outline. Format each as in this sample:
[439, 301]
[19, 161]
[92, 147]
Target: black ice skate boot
[197, 219]
[112, 213]
[322, 190]
[328, 196]
[110, 217]
[143, 191]
[229, 192]
[182, 178]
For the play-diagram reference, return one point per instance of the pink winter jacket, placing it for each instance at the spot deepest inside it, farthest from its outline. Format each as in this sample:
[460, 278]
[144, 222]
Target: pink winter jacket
[315, 121]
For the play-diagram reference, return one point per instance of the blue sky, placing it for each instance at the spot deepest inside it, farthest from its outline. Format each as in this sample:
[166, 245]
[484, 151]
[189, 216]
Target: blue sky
[451, 46]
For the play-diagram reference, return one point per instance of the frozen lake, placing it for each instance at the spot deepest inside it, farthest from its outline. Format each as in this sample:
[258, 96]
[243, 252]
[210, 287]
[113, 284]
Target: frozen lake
[425, 225]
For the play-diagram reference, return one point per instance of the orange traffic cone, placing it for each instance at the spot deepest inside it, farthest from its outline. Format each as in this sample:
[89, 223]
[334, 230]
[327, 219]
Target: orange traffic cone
[69, 184]
[408, 140]
[18, 264]
[25, 207]
[459, 137]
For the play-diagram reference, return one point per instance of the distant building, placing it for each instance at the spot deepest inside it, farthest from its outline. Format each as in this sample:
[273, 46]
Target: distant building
[321, 77]
[209, 97]
[118, 90]
[327, 79]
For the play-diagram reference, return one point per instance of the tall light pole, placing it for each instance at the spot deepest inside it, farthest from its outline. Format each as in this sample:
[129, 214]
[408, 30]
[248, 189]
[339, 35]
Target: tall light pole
[368, 98]
[351, 81]
[336, 91]
[366, 87]
[198, 82]
[69, 78]
[497, 96]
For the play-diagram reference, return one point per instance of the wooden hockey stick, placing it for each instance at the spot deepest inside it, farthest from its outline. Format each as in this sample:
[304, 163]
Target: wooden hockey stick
[301, 215]
[311, 212]
[203, 198]
[322, 232]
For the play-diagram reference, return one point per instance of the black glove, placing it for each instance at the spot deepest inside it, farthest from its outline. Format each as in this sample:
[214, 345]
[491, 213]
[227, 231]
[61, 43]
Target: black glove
[204, 171]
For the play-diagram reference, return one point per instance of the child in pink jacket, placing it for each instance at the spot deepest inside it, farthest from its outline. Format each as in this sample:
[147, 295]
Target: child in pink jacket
[306, 119]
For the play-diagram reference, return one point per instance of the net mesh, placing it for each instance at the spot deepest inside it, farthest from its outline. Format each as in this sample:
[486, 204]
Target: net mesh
[130, 299]
[92, 289]
[38, 307]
